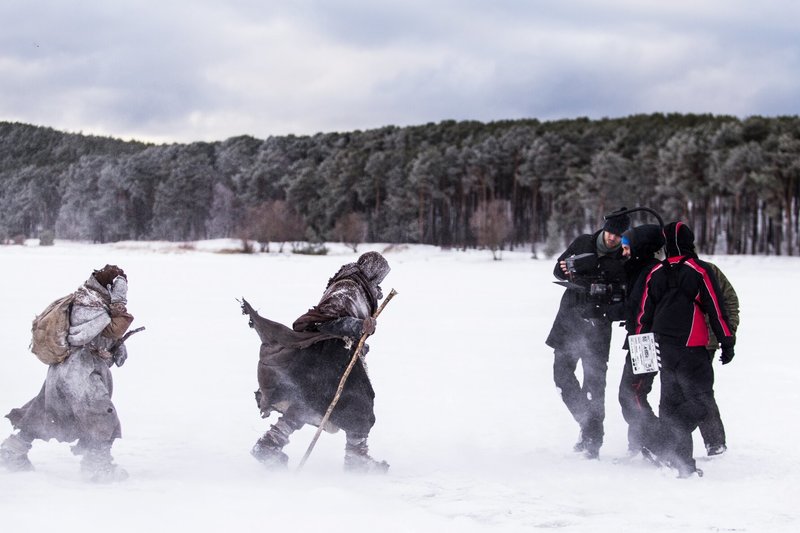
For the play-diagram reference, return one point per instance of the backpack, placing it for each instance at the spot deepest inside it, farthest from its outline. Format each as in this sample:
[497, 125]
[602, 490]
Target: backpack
[49, 331]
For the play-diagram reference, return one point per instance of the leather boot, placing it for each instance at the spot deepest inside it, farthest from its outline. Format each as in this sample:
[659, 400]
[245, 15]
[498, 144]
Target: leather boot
[268, 449]
[97, 465]
[357, 458]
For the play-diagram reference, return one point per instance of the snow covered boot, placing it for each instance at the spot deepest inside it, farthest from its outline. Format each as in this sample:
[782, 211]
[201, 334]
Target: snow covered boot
[715, 449]
[97, 465]
[79, 448]
[14, 454]
[650, 457]
[591, 447]
[580, 446]
[357, 458]
[269, 454]
[268, 449]
[689, 472]
[685, 468]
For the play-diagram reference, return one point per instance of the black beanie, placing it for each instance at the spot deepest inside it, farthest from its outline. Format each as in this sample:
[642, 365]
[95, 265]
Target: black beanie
[617, 224]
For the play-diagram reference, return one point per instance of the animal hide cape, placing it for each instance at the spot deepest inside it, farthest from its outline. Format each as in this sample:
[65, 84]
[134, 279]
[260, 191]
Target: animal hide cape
[299, 372]
[299, 369]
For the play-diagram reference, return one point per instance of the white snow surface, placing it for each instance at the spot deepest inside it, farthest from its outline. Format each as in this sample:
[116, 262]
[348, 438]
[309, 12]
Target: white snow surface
[467, 413]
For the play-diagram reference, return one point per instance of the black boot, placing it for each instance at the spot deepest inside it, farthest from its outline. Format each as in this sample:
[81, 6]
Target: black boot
[14, 453]
[715, 449]
[357, 458]
[591, 448]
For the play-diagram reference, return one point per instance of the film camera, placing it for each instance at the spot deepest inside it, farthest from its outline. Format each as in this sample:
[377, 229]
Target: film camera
[593, 283]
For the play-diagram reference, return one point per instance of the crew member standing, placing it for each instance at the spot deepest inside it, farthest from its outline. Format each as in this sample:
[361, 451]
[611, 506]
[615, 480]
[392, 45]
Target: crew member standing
[574, 337]
[677, 293]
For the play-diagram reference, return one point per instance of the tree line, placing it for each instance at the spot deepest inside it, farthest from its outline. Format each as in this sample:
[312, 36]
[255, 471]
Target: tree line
[501, 185]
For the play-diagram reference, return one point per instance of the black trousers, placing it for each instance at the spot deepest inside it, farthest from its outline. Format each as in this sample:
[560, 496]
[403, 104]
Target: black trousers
[636, 409]
[586, 401]
[687, 386]
[711, 427]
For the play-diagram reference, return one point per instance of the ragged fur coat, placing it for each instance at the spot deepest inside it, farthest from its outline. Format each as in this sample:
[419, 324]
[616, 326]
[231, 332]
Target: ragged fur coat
[75, 399]
[299, 368]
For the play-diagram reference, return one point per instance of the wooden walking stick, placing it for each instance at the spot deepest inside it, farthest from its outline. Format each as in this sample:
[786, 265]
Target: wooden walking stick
[342, 382]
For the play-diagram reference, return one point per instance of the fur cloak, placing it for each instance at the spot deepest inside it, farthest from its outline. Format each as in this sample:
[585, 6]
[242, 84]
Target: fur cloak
[75, 399]
[299, 369]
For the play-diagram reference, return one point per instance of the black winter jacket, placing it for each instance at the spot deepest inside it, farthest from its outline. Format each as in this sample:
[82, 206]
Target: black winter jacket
[570, 328]
[676, 293]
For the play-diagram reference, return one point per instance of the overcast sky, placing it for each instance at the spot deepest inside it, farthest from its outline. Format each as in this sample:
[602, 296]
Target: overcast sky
[189, 70]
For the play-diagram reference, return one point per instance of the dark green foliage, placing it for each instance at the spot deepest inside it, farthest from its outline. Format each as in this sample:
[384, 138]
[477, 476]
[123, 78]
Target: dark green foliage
[310, 249]
[737, 182]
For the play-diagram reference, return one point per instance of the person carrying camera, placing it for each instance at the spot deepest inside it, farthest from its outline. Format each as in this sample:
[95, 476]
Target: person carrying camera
[580, 333]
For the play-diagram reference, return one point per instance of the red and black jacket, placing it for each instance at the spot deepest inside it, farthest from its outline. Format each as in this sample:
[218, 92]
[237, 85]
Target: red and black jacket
[677, 293]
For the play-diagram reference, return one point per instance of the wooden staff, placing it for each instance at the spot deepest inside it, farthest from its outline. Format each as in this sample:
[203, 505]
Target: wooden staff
[342, 382]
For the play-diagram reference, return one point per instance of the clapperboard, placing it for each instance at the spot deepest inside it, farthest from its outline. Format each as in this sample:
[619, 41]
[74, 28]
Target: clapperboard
[643, 353]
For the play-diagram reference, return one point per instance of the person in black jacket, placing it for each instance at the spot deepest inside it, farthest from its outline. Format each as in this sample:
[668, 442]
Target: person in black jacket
[676, 294]
[575, 337]
[639, 245]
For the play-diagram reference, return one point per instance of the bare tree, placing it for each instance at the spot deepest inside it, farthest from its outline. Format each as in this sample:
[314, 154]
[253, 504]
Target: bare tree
[351, 229]
[491, 223]
[273, 221]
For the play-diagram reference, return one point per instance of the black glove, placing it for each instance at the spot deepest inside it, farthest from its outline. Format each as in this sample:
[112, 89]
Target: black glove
[120, 355]
[727, 355]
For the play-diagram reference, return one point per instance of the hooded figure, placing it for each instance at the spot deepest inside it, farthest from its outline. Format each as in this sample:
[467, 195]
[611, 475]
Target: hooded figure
[677, 293]
[299, 369]
[644, 241]
[75, 400]
[640, 245]
[679, 240]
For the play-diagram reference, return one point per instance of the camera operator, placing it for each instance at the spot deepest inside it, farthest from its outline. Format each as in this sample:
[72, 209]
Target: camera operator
[580, 334]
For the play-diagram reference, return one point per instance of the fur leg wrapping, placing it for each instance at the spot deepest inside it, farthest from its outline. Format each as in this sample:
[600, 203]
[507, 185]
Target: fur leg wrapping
[357, 458]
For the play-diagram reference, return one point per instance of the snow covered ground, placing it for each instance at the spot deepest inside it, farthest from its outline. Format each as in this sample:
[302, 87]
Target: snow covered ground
[468, 416]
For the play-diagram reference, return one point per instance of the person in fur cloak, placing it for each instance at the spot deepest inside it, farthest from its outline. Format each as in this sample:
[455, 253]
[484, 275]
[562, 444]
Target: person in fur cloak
[299, 368]
[75, 400]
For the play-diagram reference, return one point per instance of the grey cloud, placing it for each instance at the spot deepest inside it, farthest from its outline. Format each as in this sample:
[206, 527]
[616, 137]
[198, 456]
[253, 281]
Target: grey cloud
[205, 70]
